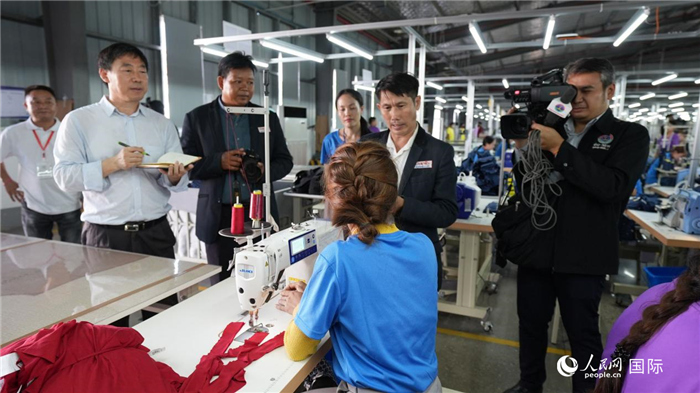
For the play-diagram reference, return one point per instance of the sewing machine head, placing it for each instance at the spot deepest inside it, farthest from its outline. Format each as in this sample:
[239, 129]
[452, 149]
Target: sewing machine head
[683, 212]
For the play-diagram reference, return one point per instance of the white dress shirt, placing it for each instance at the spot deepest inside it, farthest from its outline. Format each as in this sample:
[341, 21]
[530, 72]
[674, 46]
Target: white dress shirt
[400, 157]
[41, 194]
[91, 134]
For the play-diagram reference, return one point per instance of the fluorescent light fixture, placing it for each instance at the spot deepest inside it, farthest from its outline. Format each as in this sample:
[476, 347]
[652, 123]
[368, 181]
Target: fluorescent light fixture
[679, 95]
[439, 107]
[636, 104]
[291, 49]
[164, 64]
[548, 35]
[613, 106]
[476, 33]
[696, 105]
[677, 110]
[365, 88]
[505, 83]
[460, 107]
[440, 99]
[644, 110]
[349, 45]
[638, 18]
[697, 81]
[647, 96]
[664, 79]
[479, 106]
[662, 110]
[433, 85]
[676, 104]
[476, 116]
[465, 98]
[220, 53]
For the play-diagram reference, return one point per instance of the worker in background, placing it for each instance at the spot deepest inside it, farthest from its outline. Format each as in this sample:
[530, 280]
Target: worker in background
[481, 152]
[350, 105]
[427, 178]
[479, 131]
[462, 132]
[32, 142]
[450, 133]
[373, 126]
[221, 139]
[361, 185]
[125, 207]
[597, 166]
[670, 161]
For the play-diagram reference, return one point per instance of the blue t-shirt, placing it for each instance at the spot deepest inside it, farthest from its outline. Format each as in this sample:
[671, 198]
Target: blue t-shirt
[330, 143]
[380, 304]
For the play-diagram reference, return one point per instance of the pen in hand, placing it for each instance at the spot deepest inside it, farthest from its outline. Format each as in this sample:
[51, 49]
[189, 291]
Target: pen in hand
[125, 145]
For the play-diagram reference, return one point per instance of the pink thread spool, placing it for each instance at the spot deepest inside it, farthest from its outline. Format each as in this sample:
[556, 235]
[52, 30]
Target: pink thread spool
[237, 218]
[256, 205]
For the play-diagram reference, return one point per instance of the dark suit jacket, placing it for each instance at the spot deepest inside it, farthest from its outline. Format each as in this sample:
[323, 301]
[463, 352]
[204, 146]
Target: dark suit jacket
[429, 193]
[203, 135]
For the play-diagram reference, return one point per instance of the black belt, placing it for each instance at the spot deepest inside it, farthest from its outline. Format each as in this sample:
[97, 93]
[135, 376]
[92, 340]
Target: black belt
[135, 226]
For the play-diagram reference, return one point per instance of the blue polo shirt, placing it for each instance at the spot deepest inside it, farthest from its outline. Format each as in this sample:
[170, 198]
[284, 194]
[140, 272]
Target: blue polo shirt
[330, 144]
[379, 303]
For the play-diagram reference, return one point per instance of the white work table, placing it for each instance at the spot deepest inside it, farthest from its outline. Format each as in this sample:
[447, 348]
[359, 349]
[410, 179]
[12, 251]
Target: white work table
[663, 191]
[471, 264]
[665, 234]
[47, 282]
[8, 241]
[186, 332]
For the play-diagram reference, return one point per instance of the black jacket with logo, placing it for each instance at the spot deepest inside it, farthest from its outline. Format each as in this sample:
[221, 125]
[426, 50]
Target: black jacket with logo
[599, 177]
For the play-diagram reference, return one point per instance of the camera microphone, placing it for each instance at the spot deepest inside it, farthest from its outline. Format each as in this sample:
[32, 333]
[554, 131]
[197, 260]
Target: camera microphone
[560, 107]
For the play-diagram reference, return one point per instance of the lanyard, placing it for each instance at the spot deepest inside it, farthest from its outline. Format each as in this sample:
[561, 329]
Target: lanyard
[43, 147]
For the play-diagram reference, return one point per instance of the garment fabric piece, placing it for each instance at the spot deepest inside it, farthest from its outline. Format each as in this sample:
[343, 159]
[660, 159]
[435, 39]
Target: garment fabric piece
[42, 195]
[82, 357]
[231, 377]
[330, 145]
[430, 200]
[352, 294]
[91, 134]
[579, 296]
[202, 136]
[40, 225]
[236, 136]
[676, 346]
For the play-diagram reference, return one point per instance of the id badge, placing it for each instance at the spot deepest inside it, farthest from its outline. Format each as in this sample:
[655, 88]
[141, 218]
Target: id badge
[44, 171]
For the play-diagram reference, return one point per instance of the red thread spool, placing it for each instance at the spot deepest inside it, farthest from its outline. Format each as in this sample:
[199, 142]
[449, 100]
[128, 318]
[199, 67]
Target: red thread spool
[256, 205]
[237, 218]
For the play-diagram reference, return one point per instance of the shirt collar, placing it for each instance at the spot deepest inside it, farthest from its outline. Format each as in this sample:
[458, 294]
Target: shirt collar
[408, 146]
[32, 126]
[383, 229]
[110, 109]
[571, 129]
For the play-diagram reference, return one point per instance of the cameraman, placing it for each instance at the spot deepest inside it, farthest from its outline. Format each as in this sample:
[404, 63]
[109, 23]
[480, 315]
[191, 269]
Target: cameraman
[598, 164]
[221, 139]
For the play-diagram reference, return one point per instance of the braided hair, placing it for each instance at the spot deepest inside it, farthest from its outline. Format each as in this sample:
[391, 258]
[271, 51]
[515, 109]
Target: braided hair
[361, 182]
[654, 317]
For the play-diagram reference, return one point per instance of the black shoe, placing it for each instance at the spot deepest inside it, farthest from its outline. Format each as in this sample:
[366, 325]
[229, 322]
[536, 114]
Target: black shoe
[521, 389]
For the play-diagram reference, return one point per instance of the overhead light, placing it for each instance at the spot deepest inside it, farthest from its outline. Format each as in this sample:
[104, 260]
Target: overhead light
[676, 105]
[636, 104]
[644, 110]
[459, 107]
[638, 18]
[433, 85]
[479, 106]
[214, 52]
[291, 49]
[548, 35]
[363, 87]
[679, 95]
[662, 110]
[664, 79]
[647, 96]
[677, 110]
[439, 107]
[476, 33]
[613, 106]
[440, 99]
[465, 98]
[505, 83]
[696, 105]
[349, 45]
[697, 81]
[476, 116]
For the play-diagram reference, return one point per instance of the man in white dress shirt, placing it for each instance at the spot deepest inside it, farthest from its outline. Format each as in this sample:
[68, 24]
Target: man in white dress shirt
[32, 142]
[125, 206]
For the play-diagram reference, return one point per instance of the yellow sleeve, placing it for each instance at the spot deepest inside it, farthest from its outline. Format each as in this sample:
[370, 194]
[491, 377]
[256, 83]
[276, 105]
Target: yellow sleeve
[297, 344]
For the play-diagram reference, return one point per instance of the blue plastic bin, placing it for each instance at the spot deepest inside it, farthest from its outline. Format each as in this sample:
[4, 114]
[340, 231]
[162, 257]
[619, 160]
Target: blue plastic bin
[660, 274]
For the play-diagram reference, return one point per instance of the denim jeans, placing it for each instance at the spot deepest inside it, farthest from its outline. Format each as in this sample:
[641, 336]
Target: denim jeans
[40, 225]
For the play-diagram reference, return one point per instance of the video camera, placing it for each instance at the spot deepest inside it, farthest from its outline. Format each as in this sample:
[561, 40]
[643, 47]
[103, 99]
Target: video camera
[548, 102]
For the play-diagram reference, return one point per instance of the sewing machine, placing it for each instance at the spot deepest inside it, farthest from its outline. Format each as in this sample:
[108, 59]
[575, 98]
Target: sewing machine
[259, 268]
[683, 211]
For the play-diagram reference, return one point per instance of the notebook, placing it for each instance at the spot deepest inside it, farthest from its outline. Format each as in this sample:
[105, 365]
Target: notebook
[168, 159]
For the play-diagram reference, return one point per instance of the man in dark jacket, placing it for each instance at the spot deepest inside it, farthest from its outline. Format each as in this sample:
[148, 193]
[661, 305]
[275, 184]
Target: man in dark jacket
[598, 164]
[427, 178]
[221, 140]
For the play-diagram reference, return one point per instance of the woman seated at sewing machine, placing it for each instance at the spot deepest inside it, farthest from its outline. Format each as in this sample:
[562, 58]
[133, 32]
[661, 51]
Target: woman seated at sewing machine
[382, 340]
[663, 170]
